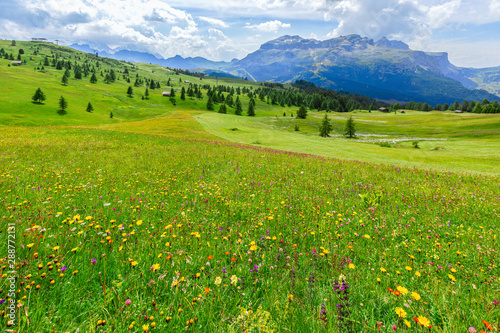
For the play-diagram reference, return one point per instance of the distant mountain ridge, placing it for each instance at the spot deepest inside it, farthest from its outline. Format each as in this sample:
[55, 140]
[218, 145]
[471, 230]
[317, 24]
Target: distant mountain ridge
[386, 69]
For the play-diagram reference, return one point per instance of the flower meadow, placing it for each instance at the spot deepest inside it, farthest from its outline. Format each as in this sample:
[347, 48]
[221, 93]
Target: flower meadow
[123, 232]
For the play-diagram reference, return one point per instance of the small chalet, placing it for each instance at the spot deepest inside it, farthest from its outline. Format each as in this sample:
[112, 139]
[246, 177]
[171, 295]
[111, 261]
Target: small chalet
[459, 111]
[186, 81]
[383, 109]
[166, 94]
[38, 39]
[17, 63]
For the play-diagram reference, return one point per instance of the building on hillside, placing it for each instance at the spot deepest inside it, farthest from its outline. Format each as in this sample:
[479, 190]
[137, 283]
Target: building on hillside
[17, 63]
[383, 109]
[166, 94]
[39, 39]
[186, 81]
[459, 111]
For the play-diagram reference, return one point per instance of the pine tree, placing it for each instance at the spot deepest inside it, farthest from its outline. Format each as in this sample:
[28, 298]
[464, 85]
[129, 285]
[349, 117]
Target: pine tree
[152, 84]
[325, 127]
[371, 108]
[63, 104]
[146, 94]
[210, 103]
[183, 94]
[350, 128]
[302, 113]
[111, 115]
[39, 96]
[239, 108]
[130, 91]
[90, 108]
[93, 78]
[222, 108]
[251, 108]
[64, 80]
[172, 93]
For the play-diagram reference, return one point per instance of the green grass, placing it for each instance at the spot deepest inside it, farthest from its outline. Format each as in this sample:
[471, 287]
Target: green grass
[165, 217]
[171, 218]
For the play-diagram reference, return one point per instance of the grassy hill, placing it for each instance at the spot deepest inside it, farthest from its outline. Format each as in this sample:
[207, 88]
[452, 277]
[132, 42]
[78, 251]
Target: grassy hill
[173, 218]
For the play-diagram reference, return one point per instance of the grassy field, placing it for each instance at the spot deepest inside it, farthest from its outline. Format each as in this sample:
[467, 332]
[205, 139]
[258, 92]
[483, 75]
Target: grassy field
[171, 218]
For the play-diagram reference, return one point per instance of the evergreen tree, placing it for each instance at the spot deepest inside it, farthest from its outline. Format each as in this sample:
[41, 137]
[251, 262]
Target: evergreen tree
[107, 79]
[222, 108]
[172, 93]
[302, 113]
[130, 91]
[93, 78]
[64, 80]
[371, 108]
[146, 94]
[152, 84]
[251, 108]
[90, 108]
[210, 103]
[112, 76]
[350, 128]
[239, 108]
[183, 94]
[39, 96]
[325, 127]
[63, 104]
[445, 107]
[111, 115]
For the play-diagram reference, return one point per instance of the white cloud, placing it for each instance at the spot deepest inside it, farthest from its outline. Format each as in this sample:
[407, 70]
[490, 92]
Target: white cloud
[214, 22]
[270, 26]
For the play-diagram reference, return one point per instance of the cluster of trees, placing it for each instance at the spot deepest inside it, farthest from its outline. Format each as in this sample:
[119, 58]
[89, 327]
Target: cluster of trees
[484, 106]
[4, 54]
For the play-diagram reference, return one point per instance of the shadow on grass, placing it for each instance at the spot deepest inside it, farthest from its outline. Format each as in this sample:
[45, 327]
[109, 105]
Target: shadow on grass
[61, 112]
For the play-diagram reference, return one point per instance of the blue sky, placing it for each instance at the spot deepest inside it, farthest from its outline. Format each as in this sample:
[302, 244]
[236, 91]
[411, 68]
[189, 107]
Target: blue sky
[225, 29]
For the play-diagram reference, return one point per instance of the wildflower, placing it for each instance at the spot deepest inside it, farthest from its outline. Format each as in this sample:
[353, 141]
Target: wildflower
[145, 328]
[472, 330]
[351, 266]
[210, 257]
[395, 328]
[63, 269]
[423, 321]
[234, 280]
[93, 261]
[452, 278]
[383, 270]
[139, 223]
[402, 290]
[218, 281]
[155, 267]
[416, 296]
[30, 245]
[418, 274]
[400, 312]
[128, 302]
[55, 248]
[207, 290]
[488, 326]
[134, 263]
[253, 247]
[408, 268]
[407, 323]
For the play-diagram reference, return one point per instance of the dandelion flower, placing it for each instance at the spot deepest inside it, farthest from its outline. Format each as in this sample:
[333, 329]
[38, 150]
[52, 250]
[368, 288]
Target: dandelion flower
[416, 296]
[408, 268]
[351, 266]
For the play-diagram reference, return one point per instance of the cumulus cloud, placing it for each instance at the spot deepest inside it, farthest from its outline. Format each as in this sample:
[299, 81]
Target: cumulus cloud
[270, 26]
[143, 25]
[214, 22]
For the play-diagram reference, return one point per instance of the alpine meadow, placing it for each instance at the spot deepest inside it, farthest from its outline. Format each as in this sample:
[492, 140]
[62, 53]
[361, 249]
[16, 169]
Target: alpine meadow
[142, 198]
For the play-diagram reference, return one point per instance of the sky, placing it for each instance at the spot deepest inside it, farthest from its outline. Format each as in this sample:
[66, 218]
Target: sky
[469, 30]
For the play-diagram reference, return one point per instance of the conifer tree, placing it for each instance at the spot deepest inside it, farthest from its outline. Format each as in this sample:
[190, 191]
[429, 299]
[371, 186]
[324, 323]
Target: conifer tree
[302, 113]
[63, 104]
[239, 108]
[39, 96]
[93, 78]
[90, 108]
[325, 127]
[350, 128]
[130, 91]
[222, 108]
[183, 94]
[251, 108]
[210, 103]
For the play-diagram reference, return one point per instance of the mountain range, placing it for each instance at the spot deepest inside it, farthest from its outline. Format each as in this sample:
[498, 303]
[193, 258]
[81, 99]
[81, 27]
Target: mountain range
[386, 69]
